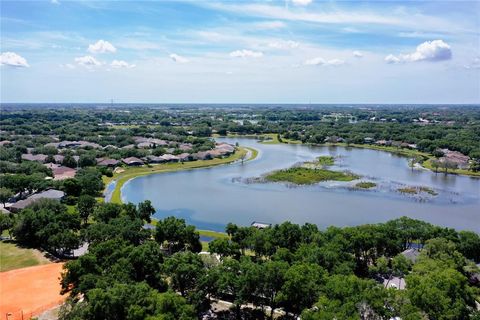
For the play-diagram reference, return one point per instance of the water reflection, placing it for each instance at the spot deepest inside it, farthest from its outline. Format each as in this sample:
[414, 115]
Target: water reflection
[210, 198]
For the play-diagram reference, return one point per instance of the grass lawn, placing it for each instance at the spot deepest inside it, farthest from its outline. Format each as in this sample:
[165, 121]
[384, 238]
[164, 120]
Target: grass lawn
[303, 175]
[213, 234]
[14, 257]
[131, 173]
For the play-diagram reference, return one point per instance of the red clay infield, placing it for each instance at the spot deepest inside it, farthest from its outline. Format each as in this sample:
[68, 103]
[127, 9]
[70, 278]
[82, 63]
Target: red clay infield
[30, 291]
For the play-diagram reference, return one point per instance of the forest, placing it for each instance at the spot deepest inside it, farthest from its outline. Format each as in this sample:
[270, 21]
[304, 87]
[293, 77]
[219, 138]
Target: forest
[284, 271]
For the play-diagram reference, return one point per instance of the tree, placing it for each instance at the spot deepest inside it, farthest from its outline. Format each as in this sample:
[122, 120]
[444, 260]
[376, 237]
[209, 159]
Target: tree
[224, 248]
[469, 245]
[5, 195]
[47, 224]
[86, 206]
[69, 161]
[184, 269]
[301, 287]
[90, 181]
[177, 235]
[272, 280]
[7, 221]
[435, 165]
[146, 210]
[349, 297]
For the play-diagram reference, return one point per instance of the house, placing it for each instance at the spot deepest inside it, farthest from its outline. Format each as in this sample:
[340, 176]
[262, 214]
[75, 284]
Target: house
[411, 254]
[5, 142]
[368, 140]
[334, 139]
[183, 157]
[154, 159]
[185, 147]
[111, 163]
[62, 173]
[383, 142]
[260, 225]
[47, 194]
[132, 161]
[36, 157]
[458, 158]
[170, 158]
[202, 155]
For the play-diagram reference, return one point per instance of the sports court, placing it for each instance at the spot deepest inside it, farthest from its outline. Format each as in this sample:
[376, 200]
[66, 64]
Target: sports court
[29, 291]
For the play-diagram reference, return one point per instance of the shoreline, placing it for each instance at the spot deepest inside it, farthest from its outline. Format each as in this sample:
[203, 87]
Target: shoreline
[131, 173]
[426, 157]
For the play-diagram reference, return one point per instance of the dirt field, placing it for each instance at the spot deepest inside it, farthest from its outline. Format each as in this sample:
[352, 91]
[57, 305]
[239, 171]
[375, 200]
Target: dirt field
[29, 291]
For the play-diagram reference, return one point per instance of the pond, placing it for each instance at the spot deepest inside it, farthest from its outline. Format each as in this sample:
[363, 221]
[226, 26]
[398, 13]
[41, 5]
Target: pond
[210, 198]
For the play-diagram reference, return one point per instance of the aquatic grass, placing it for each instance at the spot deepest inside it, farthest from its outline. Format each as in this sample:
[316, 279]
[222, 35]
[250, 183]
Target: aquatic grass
[365, 185]
[302, 175]
[417, 190]
[326, 160]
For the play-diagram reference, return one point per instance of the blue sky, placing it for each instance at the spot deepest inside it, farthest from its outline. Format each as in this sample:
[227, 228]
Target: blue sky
[289, 51]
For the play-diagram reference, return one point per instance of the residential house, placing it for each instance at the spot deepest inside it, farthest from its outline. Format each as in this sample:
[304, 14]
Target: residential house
[104, 162]
[47, 194]
[36, 157]
[132, 161]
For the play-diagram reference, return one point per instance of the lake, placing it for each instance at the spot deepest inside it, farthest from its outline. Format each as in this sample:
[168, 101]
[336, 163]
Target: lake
[210, 198]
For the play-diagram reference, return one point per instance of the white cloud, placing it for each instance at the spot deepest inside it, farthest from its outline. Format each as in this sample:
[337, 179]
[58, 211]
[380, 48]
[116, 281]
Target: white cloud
[246, 54]
[475, 64]
[178, 59]
[357, 54]
[101, 46]
[88, 61]
[301, 2]
[318, 61]
[12, 59]
[270, 25]
[282, 44]
[121, 64]
[54, 2]
[392, 59]
[436, 50]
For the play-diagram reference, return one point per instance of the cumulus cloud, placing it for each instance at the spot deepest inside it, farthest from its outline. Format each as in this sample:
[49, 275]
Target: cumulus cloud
[246, 54]
[88, 61]
[101, 46]
[318, 61]
[301, 2]
[14, 60]
[121, 64]
[357, 54]
[282, 44]
[178, 59]
[436, 50]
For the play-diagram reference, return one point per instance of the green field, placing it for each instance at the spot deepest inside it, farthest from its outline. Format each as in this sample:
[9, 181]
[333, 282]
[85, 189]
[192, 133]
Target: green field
[308, 176]
[13, 257]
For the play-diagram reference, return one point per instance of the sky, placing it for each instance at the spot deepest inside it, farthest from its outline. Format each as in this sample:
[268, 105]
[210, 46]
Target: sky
[199, 51]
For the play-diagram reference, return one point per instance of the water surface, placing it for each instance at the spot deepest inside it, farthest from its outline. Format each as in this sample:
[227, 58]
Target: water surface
[210, 198]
